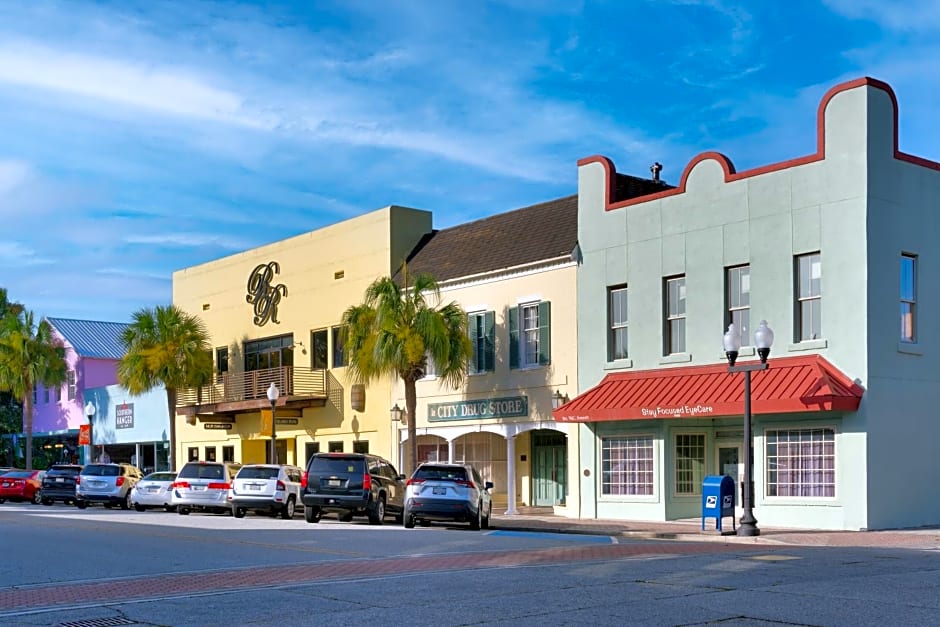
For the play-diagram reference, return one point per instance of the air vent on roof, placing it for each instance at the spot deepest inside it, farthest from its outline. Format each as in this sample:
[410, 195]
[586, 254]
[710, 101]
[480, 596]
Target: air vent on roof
[656, 168]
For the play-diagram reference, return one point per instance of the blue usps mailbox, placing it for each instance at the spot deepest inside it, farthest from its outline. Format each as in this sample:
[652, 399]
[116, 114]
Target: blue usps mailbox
[717, 499]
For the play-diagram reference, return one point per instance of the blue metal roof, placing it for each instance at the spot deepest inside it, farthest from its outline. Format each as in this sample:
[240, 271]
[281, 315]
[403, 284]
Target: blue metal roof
[89, 338]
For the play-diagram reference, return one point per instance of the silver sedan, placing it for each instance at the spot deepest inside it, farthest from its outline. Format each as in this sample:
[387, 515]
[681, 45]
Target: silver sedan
[153, 491]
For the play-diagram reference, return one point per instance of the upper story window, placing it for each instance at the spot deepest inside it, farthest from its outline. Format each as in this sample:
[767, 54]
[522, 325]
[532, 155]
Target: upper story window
[269, 353]
[481, 327]
[339, 347]
[674, 334]
[530, 335]
[221, 360]
[809, 297]
[738, 301]
[618, 323]
[45, 394]
[319, 349]
[908, 298]
[70, 384]
[58, 393]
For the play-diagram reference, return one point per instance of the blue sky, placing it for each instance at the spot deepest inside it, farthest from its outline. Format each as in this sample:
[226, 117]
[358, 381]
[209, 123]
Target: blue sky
[138, 138]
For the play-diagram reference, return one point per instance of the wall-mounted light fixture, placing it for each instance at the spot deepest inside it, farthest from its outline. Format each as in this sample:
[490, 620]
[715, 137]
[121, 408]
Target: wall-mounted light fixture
[559, 399]
[397, 414]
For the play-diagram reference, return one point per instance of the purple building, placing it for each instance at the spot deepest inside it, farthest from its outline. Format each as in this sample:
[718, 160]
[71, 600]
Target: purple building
[92, 351]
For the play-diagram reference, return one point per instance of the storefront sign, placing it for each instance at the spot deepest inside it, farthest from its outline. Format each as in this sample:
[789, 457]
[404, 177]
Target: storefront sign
[287, 421]
[264, 296]
[678, 411]
[124, 416]
[507, 407]
[222, 426]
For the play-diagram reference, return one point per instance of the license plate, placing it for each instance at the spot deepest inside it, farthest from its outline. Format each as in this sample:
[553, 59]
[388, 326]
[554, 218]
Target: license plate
[59, 479]
[254, 487]
[439, 491]
[334, 482]
[153, 489]
[197, 488]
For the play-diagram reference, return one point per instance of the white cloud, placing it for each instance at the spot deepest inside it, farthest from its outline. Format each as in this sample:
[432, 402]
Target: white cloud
[186, 240]
[13, 174]
[895, 15]
[164, 90]
[15, 254]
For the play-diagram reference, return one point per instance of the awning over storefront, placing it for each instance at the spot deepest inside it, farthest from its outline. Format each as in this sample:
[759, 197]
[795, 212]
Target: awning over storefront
[792, 384]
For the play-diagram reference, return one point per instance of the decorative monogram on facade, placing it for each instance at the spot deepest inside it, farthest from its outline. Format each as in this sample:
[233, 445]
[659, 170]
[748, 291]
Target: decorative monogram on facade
[264, 296]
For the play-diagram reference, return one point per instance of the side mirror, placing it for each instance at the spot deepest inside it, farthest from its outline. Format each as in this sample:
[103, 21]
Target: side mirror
[402, 478]
[488, 485]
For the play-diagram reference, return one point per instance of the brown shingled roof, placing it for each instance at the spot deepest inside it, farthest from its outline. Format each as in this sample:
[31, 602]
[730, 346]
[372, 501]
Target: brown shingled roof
[544, 231]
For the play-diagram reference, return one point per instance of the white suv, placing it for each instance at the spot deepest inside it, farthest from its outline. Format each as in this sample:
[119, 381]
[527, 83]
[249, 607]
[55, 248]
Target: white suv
[266, 487]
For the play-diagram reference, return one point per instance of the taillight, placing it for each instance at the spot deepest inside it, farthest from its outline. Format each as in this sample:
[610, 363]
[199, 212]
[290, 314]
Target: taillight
[367, 481]
[179, 484]
[414, 482]
[279, 486]
[464, 482]
[303, 481]
[119, 482]
[218, 486]
[78, 480]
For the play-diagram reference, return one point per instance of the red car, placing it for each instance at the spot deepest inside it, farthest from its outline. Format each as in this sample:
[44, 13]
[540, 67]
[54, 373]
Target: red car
[21, 485]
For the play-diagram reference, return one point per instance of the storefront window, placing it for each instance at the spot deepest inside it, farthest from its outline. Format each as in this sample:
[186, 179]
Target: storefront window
[627, 466]
[801, 462]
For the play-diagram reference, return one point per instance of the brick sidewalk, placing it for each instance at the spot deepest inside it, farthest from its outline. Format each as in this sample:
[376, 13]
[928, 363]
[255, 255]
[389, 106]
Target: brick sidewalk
[927, 538]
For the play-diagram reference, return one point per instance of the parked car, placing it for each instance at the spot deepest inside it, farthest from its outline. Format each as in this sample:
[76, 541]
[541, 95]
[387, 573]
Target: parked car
[203, 486]
[352, 484]
[110, 484]
[21, 485]
[448, 492]
[153, 491]
[266, 487]
[59, 483]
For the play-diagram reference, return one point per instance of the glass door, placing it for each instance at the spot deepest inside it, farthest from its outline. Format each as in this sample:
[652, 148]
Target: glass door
[730, 461]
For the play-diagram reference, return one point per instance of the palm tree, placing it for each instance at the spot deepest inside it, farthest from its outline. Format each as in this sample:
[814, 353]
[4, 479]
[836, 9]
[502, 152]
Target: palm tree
[169, 347]
[29, 354]
[396, 330]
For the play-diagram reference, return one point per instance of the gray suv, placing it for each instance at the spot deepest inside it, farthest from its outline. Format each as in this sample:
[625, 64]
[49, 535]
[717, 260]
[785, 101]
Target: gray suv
[110, 484]
[352, 484]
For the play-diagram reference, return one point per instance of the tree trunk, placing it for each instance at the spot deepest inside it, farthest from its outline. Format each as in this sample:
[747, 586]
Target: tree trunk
[171, 409]
[28, 426]
[411, 405]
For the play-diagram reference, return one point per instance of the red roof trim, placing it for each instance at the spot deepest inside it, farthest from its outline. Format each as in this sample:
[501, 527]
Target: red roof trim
[728, 167]
[792, 384]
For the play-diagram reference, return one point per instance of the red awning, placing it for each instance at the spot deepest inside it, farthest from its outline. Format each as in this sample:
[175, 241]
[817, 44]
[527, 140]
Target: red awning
[791, 384]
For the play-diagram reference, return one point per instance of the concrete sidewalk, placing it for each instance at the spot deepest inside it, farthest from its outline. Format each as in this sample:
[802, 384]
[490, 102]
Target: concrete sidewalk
[927, 538]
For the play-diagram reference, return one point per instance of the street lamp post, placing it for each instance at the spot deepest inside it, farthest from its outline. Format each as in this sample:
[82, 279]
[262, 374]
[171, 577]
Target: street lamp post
[397, 415]
[90, 413]
[763, 339]
[273, 393]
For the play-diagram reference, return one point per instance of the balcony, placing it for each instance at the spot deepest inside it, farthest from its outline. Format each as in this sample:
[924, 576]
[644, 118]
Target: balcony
[241, 392]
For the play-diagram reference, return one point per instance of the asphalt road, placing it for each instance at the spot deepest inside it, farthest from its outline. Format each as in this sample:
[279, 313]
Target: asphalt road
[98, 567]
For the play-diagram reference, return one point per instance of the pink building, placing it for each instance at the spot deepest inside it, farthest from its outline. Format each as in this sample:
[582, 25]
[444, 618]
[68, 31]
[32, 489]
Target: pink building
[92, 351]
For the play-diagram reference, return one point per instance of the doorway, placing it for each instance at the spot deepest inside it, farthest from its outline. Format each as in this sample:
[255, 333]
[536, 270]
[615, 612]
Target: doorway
[729, 460]
[549, 468]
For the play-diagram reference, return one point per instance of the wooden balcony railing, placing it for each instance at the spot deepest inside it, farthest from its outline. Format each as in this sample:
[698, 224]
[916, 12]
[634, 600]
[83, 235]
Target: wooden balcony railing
[232, 387]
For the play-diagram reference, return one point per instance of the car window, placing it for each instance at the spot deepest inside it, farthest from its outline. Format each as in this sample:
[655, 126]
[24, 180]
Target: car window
[257, 472]
[441, 473]
[335, 465]
[101, 471]
[66, 471]
[201, 471]
[160, 476]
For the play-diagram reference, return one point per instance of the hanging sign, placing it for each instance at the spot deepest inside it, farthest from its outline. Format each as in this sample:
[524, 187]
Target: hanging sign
[84, 435]
[124, 416]
[506, 407]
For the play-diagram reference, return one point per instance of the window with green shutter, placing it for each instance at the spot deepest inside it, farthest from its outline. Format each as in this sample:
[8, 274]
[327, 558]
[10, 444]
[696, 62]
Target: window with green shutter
[530, 335]
[482, 330]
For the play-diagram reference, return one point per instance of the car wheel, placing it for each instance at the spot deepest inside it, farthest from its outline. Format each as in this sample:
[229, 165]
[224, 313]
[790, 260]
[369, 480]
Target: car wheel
[477, 520]
[139, 507]
[408, 519]
[377, 513]
[287, 512]
[81, 504]
[239, 512]
[47, 501]
[183, 511]
[311, 514]
[485, 523]
[126, 503]
[37, 498]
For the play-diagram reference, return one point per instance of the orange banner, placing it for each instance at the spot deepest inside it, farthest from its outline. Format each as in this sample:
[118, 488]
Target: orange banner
[84, 435]
[265, 430]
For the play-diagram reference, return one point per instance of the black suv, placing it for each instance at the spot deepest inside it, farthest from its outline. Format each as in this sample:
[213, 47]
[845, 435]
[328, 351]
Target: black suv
[352, 484]
[59, 483]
